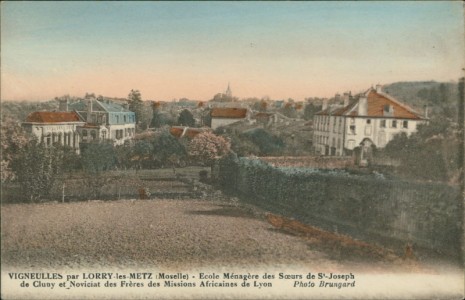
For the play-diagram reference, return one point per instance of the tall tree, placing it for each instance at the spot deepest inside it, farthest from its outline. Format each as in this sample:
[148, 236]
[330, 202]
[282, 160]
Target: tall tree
[186, 118]
[136, 105]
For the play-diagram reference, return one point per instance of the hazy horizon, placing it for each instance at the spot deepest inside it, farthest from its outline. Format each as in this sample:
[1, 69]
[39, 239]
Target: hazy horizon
[173, 50]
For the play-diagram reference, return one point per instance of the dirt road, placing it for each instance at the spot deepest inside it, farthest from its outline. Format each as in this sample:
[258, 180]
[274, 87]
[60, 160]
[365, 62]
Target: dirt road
[163, 233]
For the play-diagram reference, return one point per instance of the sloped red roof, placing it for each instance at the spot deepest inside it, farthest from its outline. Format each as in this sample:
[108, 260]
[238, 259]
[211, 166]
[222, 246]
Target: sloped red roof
[376, 103]
[227, 112]
[190, 133]
[52, 117]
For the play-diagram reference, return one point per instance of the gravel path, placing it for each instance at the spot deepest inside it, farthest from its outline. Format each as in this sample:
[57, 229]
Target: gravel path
[162, 233]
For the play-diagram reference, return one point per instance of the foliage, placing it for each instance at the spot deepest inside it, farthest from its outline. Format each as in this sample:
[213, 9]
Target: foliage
[141, 155]
[432, 153]
[289, 110]
[206, 147]
[168, 150]
[160, 119]
[268, 143]
[310, 110]
[243, 146]
[136, 105]
[186, 118]
[13, 139]
[350, 202]
[98, 157]
[36, 169]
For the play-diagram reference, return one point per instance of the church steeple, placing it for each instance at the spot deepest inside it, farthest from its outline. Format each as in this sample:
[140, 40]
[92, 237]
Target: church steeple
[228, 92]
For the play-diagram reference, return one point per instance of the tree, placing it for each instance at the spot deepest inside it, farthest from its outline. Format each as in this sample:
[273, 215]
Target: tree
[165, 146]
[13, 139]
[98, 157]
[206, 147]
[310, 110]
[136, 105]
[186, 118]
[431, 153]
[266, 142]
[141, 154]
[36, 169]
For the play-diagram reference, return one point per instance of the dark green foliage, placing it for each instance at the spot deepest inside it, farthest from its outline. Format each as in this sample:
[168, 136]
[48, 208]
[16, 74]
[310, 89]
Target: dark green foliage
[36, 169]
[243, 146]
[186, 118]
[166, 147]
[432, 153]
[141, 155]
[268, 143]
[160, 119]
[310, 110]
[98, 157]
[137, 106]
[359, 205]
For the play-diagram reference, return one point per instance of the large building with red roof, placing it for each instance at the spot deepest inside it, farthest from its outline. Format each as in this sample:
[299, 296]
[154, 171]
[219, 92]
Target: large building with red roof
[55, 127]
[373, 117]
[223, 116]
[84, 121]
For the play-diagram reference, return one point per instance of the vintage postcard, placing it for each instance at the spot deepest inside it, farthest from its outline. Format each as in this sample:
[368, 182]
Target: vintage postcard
[232, 150]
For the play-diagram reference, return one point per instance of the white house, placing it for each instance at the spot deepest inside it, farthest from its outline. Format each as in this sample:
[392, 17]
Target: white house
[372, 117]
[82, 122]
[55, 127]
[105, 120]
[222, 116]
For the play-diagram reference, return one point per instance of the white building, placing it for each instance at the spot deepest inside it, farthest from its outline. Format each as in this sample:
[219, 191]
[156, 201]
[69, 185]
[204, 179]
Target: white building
[372, 117]
[105, 120]
[55, 127]
[222, 116]
[82, 122]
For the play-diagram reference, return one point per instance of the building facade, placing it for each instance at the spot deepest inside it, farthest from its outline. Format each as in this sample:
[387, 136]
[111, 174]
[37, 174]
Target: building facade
[105, 120]
[223, 116]
[83, 122]
[371, 118]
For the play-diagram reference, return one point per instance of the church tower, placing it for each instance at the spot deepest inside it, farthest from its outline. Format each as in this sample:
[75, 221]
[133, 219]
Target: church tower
[228, 92]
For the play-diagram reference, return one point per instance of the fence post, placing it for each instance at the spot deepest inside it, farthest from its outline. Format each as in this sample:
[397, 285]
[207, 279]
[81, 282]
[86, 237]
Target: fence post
[63, 193]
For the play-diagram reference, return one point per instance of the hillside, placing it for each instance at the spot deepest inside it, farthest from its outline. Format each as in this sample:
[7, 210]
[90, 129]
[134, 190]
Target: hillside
[441, 97]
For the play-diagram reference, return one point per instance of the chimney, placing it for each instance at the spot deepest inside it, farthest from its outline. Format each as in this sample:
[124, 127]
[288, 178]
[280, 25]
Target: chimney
[426, 111]
[89, 111]
[325, 104]
[362, 106]
[378, 88]
[63, 106]
[346, 98]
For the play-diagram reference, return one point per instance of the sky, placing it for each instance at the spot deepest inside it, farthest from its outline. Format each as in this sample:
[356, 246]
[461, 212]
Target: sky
[171, 50]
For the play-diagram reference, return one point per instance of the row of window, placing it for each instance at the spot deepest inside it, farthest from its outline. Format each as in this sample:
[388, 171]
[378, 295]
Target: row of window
[323, 124]
[125, 118]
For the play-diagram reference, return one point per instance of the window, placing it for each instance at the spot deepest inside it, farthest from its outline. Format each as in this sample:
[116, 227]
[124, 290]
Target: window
[84, 133]
[368, 121]
[93, 134]
[352, 129]
[382, 124]
[117, 119]
[394, 123]
[124, 118]
[405, 124]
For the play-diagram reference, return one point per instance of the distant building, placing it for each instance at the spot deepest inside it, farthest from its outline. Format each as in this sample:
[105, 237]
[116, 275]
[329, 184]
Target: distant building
[371, 118]
[55, 127]
[82, 122]
[222, 116]
[105, 120]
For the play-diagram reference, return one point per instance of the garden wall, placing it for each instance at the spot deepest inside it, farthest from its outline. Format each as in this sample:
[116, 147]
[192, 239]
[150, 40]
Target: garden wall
[389, 212]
